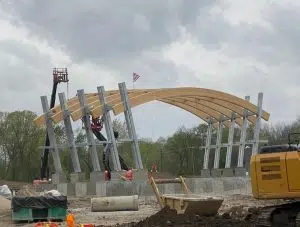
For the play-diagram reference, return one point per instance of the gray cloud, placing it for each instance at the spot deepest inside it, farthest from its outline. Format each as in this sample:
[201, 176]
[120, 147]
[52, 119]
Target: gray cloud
[108, 32]
[131, 36]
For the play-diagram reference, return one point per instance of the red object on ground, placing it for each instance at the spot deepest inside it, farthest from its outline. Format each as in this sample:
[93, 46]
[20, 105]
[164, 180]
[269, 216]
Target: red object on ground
[129, 175]
[38, 182]
[106, 175]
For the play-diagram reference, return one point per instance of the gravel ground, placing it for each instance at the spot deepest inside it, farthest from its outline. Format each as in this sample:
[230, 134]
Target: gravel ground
[235, 205]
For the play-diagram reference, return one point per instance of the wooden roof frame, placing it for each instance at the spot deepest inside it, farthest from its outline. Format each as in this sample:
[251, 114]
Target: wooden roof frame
[204, 103]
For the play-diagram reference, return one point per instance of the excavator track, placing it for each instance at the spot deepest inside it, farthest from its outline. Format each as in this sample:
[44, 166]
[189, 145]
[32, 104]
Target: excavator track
[287, 214]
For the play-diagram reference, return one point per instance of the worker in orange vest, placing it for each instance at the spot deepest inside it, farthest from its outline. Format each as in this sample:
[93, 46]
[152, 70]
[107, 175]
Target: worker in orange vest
[70, 220]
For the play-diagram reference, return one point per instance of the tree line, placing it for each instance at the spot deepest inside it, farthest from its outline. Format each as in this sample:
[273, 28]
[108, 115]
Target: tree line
[180, 153]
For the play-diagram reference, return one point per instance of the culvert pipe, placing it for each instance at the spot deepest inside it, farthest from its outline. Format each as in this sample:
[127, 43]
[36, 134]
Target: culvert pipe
[115, 203]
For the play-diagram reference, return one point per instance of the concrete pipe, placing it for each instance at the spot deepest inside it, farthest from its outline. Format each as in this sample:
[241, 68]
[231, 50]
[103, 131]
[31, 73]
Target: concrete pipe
[115, 203]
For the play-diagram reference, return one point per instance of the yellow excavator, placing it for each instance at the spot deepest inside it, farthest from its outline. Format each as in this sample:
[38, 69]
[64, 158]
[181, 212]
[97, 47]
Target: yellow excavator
[275, 174]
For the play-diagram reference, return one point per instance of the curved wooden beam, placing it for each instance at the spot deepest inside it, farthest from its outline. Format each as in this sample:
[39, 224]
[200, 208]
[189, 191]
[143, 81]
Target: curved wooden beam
[151, 96]
[212, 102]
[204, 116]
[209, 108]
[210, 112]
[75, 109]
[234, 108]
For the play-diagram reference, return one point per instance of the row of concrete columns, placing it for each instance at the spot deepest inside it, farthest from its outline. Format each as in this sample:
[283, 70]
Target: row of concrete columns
[230, 144]
[91, 143]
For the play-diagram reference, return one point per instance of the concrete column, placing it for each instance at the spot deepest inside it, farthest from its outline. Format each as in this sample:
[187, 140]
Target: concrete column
[109, 130]
[89, 134]
[70, 134]
[257, 123]
[218, 145]
[207, 145]
[130, 126]
[230, 142]
[50, 130]
[243, 137]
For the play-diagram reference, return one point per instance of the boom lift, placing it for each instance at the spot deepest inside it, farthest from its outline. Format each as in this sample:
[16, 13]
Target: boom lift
[274, 175]
[60, 75]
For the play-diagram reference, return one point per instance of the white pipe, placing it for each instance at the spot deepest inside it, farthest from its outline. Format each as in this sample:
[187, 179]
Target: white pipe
[115, 203]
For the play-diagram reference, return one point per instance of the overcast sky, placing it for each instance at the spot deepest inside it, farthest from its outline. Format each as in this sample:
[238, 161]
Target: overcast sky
[240, 47]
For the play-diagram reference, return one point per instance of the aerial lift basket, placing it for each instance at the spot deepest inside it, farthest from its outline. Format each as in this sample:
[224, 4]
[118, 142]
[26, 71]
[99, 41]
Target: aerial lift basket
[187, 203]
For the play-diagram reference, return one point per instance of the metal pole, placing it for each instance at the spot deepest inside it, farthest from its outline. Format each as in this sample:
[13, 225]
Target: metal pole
[218, 145]
[207, 145]
[243, 137]
[109, 129]
[131, 126]
[257, 123]
[51, 134]
[70, 134]
[89, 134]
[230, 142]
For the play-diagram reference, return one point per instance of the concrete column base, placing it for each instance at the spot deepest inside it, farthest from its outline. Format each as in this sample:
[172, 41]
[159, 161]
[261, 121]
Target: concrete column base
[101, 189]
[77, 177]
[96, 176]
[67, 189]
[81, 189]
[140, 174]
[228, 172]
[58, 178]
[240, 171]
[116, 175]
[205, 173]
[216, 172]
[91, 188]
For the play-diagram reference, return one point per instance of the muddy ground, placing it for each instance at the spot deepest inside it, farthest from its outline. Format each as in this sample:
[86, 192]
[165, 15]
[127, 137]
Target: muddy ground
[234, 212]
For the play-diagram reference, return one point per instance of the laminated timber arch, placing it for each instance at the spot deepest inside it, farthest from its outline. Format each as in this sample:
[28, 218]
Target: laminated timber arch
[205, 103]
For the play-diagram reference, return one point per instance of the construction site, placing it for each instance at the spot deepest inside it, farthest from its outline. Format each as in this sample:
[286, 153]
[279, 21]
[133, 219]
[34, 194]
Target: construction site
[261, 190]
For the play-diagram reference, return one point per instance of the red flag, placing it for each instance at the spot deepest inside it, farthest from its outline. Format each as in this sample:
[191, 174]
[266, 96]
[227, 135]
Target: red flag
[135, 76]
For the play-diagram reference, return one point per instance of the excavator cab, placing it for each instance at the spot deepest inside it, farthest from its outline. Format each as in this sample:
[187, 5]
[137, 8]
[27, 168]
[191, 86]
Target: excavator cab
[274, 170]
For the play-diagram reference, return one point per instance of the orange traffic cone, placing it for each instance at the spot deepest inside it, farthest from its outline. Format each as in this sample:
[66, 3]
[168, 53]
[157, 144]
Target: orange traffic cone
[70, 220]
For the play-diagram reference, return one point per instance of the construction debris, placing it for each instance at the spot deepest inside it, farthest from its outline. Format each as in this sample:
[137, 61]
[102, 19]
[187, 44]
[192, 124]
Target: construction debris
[5, 192]
[27, 190]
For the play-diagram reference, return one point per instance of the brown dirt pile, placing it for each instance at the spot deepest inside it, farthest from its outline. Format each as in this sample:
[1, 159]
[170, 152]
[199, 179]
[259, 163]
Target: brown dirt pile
[168, 217]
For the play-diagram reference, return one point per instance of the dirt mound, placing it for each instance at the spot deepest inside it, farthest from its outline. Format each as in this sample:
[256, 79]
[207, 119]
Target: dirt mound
[168, 217]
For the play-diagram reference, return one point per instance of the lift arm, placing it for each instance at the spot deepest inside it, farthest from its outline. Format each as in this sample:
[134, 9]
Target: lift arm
[59, 76]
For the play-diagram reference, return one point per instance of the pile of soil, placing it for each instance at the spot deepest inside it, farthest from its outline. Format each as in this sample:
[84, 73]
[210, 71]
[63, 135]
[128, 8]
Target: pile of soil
[168, 217]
